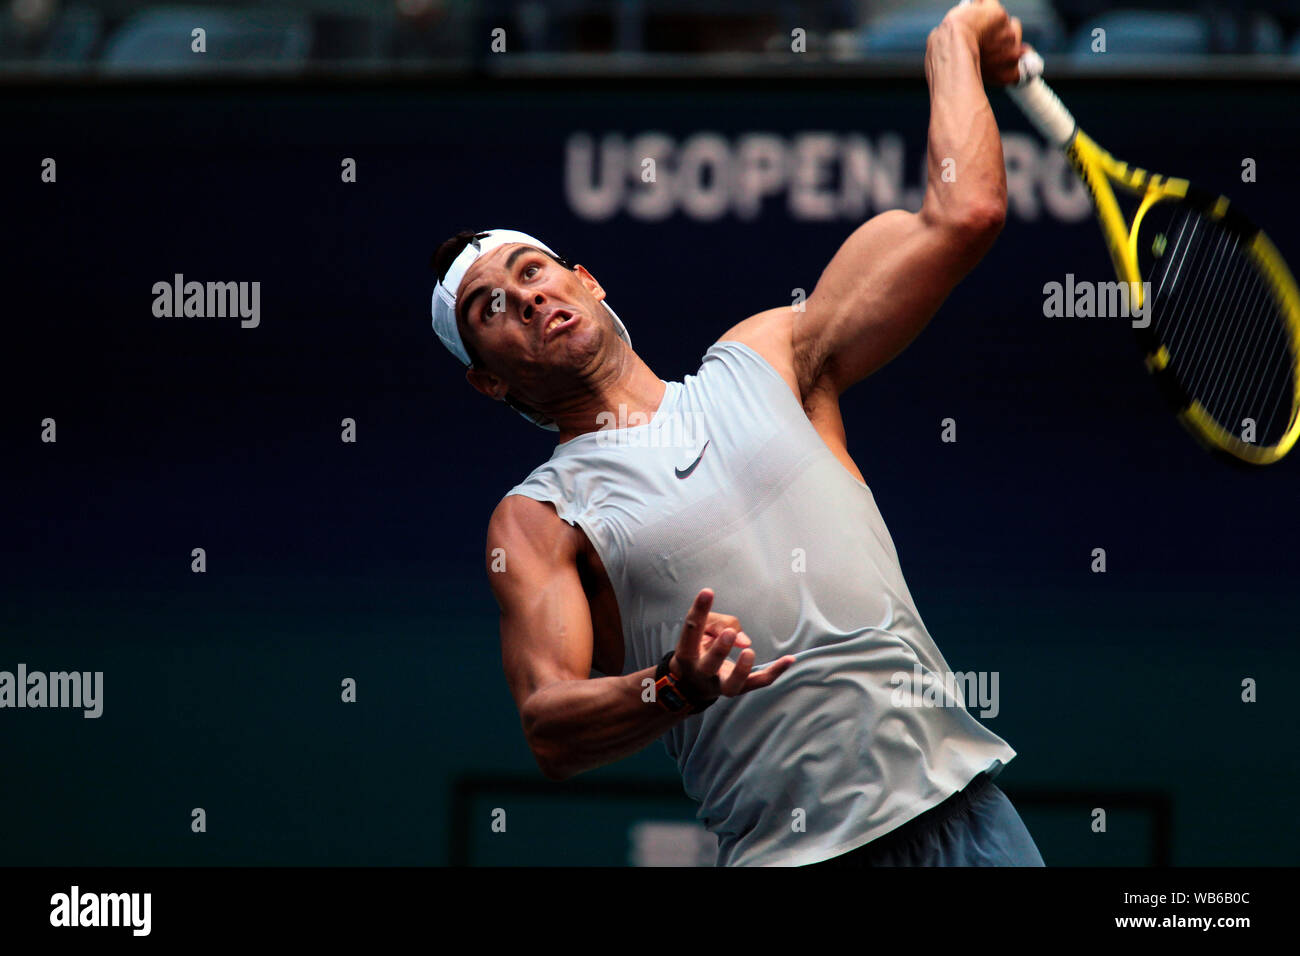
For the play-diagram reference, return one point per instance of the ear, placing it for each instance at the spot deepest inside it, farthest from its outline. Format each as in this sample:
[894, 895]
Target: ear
[485, 382]
[589, 280]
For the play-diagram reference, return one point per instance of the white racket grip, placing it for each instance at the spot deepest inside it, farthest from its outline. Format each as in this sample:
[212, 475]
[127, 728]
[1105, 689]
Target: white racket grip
[1040, 104]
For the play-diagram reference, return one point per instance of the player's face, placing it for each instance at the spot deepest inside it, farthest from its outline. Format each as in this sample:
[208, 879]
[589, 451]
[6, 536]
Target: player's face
[536, 325]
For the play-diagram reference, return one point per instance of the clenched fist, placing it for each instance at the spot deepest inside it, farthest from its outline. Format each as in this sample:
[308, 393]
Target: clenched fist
[998, 36]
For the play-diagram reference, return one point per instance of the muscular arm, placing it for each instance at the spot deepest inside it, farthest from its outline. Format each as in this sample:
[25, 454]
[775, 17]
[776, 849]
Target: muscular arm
[892, 273]
[572, 722]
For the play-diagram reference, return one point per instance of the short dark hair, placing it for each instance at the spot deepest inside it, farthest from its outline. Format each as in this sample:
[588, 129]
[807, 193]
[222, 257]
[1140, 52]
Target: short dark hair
[446, 255]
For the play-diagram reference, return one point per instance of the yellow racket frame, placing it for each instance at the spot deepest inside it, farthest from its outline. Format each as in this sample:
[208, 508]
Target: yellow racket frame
[1098, 169]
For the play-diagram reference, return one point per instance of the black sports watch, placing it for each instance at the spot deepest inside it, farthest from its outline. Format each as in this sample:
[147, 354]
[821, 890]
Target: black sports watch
[671, 695]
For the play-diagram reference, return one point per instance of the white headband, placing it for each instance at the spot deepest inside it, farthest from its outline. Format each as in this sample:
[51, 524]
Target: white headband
[446, 290]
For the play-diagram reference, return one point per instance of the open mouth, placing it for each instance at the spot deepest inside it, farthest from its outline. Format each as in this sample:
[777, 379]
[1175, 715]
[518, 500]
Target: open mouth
[560, 320]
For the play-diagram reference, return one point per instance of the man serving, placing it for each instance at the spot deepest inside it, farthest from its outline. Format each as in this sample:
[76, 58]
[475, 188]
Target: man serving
[815, 755]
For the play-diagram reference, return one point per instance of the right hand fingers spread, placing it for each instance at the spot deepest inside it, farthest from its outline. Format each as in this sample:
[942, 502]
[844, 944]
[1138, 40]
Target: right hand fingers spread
[766, 676]
[707, 641]
[710, 662]
[718, 623]
[734, 682]
[738, 679]
[688, 647]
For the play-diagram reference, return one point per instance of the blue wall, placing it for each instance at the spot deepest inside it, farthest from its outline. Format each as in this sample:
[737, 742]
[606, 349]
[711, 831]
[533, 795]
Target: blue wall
[329, 560]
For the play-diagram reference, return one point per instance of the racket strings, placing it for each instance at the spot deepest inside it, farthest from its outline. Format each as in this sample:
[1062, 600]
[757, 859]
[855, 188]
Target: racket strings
[1264, 383]
[1231, 350]
[1223, 328]
[1201, 311]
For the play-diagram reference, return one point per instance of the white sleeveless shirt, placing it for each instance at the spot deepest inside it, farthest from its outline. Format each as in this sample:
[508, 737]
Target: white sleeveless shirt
[730, 487]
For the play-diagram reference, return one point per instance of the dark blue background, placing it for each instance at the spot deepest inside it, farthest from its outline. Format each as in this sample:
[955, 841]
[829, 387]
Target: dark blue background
[329, 560]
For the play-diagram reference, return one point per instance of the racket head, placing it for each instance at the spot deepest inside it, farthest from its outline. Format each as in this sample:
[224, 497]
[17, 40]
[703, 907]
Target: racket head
[1222, 332]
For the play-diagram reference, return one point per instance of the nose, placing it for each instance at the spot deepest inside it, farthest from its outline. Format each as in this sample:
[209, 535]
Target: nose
[528, 309]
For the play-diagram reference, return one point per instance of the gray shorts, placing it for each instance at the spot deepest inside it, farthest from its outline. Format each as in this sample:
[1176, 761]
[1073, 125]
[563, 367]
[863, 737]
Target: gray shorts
[976, 826]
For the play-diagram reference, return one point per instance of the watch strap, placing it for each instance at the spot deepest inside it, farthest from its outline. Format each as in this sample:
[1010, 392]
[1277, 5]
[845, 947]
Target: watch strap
[670, 692]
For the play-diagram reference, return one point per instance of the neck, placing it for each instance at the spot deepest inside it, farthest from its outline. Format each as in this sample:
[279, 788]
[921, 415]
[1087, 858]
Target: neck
[629, 391]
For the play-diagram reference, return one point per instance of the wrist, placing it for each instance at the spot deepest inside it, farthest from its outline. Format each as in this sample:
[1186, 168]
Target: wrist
[696, 698]
[695, 692]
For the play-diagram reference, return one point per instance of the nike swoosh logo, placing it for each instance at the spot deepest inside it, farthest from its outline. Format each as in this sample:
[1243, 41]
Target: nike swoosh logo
[686, 472]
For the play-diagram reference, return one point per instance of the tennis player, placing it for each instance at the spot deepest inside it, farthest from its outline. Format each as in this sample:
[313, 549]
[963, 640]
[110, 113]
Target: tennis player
[813, 744]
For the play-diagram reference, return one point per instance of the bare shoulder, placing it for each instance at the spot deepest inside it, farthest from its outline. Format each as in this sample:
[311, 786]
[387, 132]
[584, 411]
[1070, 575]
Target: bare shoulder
[771, 335]
[515, 513]
[532, 530]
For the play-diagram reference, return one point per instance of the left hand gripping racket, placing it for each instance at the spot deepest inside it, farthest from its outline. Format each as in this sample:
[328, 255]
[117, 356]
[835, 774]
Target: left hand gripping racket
[1223, 336]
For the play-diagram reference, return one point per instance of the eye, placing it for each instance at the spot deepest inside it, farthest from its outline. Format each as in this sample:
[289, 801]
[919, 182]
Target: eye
[528, 271]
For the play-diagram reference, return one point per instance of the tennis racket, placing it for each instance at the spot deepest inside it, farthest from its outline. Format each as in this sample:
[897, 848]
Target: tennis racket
[1223, 337]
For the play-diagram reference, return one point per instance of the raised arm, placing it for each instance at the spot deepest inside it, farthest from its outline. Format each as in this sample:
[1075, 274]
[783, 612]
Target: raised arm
[892, 273]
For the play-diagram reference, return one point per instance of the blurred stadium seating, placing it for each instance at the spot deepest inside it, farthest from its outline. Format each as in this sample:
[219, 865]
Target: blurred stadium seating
[329, 35]
[148, 40]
